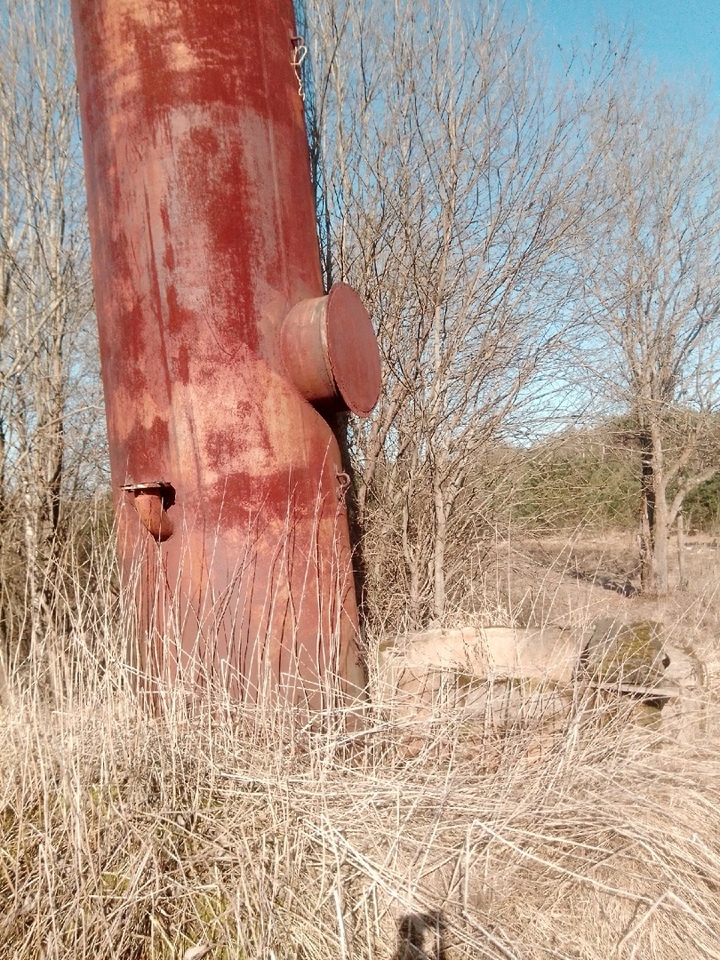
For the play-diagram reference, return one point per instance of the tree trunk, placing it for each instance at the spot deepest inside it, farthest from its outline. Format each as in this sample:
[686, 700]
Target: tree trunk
[682, 581]
[413, 569]
[439, 550]
[660, 553]
[647, 514]
[654, 527]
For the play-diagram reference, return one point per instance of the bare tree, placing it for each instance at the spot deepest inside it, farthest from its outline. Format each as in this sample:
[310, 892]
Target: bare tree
[45, 313]
[652, 286]
[455, 190]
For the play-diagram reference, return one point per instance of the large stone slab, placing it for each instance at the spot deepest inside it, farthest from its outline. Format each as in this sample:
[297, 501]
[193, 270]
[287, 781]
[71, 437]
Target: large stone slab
[507, 674]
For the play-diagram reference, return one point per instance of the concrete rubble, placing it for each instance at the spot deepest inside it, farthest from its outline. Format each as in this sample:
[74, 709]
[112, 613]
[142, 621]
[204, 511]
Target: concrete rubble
[507, 674]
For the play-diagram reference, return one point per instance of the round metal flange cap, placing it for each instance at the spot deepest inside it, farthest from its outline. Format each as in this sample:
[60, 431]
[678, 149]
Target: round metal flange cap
[352, 350]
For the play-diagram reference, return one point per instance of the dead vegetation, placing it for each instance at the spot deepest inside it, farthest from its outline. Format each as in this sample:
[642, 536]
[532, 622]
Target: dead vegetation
[260, 835]
[128, 837]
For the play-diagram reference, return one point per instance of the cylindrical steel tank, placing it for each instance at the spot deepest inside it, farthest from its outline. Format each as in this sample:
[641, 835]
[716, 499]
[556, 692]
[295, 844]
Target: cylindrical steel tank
[223, 361]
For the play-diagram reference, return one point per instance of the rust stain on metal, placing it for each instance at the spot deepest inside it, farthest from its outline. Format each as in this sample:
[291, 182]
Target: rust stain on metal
[221, 353]
[152, 502]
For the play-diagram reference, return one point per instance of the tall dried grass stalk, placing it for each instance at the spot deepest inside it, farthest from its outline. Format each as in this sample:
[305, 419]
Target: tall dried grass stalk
[257, 832]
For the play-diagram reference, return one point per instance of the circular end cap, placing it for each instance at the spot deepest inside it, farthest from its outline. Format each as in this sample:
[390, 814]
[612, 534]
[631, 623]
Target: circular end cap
[352, 350]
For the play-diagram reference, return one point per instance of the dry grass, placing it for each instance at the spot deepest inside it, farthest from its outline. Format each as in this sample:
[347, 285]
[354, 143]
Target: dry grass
[580, 577]
[258, 835]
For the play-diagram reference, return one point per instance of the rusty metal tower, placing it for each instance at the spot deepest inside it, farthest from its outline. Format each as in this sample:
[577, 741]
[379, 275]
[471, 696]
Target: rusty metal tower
[223, 360]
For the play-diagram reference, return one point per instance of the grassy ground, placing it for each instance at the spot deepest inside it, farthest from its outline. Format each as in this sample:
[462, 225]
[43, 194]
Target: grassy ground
[258, 836]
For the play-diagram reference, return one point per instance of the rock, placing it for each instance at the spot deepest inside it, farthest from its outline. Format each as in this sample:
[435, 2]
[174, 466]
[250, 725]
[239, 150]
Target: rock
[629, 655]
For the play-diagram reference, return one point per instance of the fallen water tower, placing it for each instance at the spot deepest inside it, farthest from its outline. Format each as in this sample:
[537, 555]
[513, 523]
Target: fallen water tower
[224, 361]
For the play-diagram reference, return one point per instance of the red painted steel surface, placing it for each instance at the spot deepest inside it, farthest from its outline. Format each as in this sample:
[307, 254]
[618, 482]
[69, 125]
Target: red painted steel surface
[229, 481]
[330, 352]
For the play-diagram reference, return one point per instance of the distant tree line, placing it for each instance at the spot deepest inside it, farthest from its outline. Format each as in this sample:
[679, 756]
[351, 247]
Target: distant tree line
[589, 478]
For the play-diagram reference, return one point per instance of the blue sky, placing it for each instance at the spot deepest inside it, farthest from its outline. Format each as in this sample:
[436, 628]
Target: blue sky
[681, 37]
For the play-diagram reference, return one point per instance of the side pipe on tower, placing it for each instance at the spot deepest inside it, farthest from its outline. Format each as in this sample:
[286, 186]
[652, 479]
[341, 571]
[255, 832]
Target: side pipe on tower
[223, 359]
